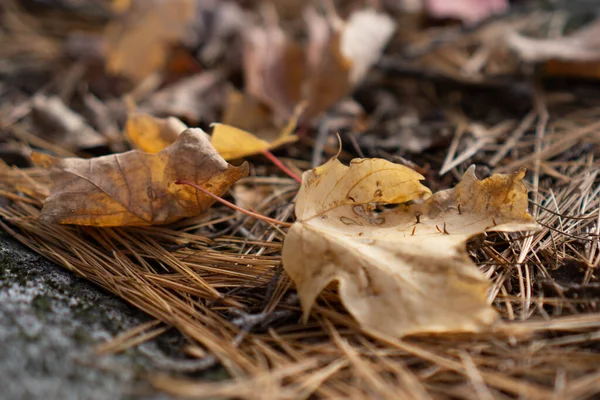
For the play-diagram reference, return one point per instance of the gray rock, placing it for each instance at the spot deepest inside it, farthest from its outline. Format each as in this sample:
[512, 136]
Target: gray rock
[50, 322]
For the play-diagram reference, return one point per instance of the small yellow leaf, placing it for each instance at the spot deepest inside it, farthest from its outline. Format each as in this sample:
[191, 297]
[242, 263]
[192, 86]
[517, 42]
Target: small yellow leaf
[137, 188]
[152, 134]
[232, 142]
[403, 270]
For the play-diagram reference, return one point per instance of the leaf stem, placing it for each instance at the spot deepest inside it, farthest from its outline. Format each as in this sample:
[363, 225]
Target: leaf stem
[281, 166]
[231, 205]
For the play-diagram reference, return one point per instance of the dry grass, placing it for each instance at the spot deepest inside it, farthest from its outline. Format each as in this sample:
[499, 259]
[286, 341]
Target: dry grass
[229, 297]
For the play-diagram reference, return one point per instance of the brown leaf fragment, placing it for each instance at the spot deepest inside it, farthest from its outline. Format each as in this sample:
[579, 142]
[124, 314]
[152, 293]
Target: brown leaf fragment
[281, 74]
[195, 99]
[273, 67]
[403, 270]
[137, 188]
[340, 54]
[62, 125]
[581, 45]
[138, 44]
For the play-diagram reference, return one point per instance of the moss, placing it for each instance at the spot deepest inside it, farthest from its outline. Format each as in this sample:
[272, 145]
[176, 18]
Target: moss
[42, 305]
[6, 265]
[82, 336]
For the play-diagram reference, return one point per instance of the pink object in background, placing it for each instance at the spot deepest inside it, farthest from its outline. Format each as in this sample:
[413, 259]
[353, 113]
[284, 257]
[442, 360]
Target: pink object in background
[468, 11]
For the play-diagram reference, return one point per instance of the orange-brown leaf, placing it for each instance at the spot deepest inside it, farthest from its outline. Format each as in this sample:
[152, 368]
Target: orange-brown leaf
[152, 134]
[138, 188]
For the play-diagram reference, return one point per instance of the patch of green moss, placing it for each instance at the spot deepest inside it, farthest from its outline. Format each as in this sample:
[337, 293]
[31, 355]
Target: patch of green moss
[42, 305]
[82, 336]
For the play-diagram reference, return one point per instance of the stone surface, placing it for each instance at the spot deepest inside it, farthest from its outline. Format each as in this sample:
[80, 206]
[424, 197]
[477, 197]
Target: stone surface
[50, 322]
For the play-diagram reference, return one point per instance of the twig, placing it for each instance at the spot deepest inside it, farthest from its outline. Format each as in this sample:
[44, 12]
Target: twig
[281, 166]
[231, 205]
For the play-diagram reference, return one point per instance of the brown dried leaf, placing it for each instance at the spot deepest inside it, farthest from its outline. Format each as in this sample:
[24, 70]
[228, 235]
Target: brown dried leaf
[405, 270]
[273, 67]
[340, 54]
[152, 134]
[582, 45]
[280, 73]
[196, 98]
[62, 125]
[137, 188]
[138, 44]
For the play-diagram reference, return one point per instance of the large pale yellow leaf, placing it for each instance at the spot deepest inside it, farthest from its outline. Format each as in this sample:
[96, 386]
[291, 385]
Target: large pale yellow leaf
[137, 188]
[403, 270]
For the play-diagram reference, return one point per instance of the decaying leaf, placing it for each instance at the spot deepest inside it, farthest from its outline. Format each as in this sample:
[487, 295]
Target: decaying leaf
[363, 39]
[137, 188]
[138, 44]
[403, 270]
[152, 134]
[582, 45]
[273, 67]
[280, 73]
[196, 98]
[62, 125]
[340, 55]
[247, 113]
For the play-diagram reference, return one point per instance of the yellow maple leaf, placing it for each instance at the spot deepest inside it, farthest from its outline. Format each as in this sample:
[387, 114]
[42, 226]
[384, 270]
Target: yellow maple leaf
[138, 188]
[152, 134]
[403, 270]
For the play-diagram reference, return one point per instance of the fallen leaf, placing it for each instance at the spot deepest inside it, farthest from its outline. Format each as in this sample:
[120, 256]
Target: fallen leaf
[328, 75]
[152, 134]
[137, 188]
[249, 116]
[195, 99]
[340, 54]
[581, 45]
[62, 125]
[138, 43]
[403, 270]
[232, 142]
[364, 37]
[273, 66]
[247, 113]
[280, 73]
